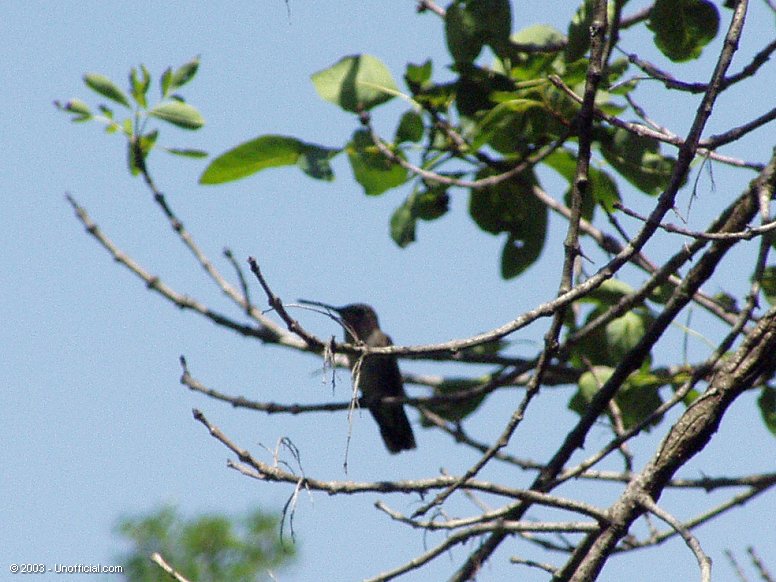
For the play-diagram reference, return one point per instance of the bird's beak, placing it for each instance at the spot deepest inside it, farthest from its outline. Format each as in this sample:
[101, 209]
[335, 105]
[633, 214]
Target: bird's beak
[319, 304]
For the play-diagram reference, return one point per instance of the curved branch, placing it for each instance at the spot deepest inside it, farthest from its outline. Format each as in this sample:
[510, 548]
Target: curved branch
[692, 542]
[672, 83]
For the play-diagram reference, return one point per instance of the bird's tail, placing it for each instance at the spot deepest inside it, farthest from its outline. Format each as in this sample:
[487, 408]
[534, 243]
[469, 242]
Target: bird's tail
[394, 426]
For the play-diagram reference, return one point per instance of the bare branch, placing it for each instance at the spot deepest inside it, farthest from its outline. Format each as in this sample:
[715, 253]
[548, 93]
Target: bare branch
[704, 562]
[747, 234]
[424, 5]
[490, 516]
[177, 226]
[672, 83]
[264, 333]
[760, 565]
[705, 517]
[276, 304]
[584, 565]
[736, 568]
[549, 568]
[175, 575]
[252, 467]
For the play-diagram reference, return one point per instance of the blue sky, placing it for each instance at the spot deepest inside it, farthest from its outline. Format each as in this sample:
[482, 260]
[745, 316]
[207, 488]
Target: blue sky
[94, 421]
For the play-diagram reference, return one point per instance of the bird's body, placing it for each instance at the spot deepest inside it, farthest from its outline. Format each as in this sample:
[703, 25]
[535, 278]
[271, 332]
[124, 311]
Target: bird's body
[378, 376]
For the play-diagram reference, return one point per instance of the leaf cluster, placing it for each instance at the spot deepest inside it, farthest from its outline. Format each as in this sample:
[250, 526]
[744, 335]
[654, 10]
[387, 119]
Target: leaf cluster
[171, 108]
[207, 548]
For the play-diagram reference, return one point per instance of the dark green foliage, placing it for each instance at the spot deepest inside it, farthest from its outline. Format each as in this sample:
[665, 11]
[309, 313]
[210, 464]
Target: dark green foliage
[207, 548]
[767, 404]
[424, 204]
[683, 27]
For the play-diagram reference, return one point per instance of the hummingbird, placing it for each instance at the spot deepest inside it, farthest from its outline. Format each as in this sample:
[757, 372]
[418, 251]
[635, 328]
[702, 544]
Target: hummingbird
[379, 375]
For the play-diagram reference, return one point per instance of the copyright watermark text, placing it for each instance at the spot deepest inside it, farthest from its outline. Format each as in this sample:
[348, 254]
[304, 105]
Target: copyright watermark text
[39, 568]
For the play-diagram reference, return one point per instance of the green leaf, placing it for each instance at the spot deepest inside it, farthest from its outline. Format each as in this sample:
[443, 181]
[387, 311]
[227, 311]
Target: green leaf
[356, 83]
[683, 27]
[505, 126]
[139, 85]
[418, 76]
[314, 161]
[371, 169]
[457, 410]
[521, 249]
[592, 380]
[403, 224]
[623, 333]
[604, 189]
[431, 203]
[494, 20]
[564, 162]
[637, 398]
[471, 25]
[76, 107]
[165, 82]
[427, 204]
[579, 32]
[767, 404]
[179, 114]
[539, 35]
[609, 344]
[510, 206]
[638, 160]
[608, 293]
[768, 283]
[187, 152]
[463, 34]
[268, 151]
[105, 87]
[505, 206]
[184, 74]
[410, 128]
[476, 86]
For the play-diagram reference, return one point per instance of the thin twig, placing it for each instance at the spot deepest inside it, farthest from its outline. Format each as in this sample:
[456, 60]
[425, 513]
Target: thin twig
[157, 559]
[760, 565]
[672, 83]
[747, 234]
[432, 6]
[704, 562]
[252, 467]
[549, 568]
[736, 568]
[276, 304]
[177, 226]
[490, 516]
[269, 333]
